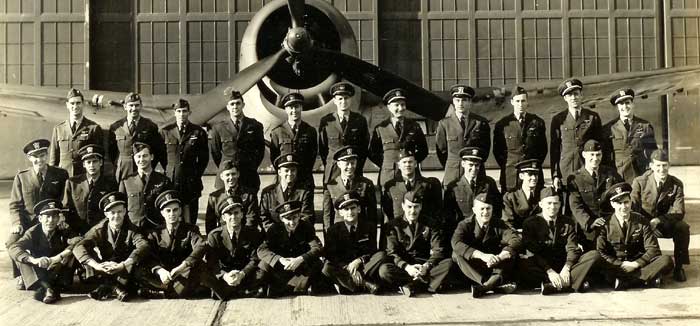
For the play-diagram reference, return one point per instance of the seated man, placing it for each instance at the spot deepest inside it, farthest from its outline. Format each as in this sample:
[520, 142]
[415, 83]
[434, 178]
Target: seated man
[176, 268]
[352, 259]
[232, 253]
[521, 203]
[290, 253]
[459, 194]
[43, 253]
[628, 246]
[555, 258]
[230, 175]
[407, 179]
[111, 250]
[84, 191]
[348, 180]
[660, 198]
[585, 186]
[417, 250]
[285, 189]
[485, 249]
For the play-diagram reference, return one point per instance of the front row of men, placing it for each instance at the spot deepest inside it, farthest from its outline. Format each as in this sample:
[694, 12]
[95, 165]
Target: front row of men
[237, 260]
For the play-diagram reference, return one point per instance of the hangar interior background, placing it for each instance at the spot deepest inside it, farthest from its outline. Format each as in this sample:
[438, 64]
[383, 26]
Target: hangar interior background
[188, 46]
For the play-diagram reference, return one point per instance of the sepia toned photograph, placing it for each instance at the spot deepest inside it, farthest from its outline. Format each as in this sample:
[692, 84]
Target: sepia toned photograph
[349, 162]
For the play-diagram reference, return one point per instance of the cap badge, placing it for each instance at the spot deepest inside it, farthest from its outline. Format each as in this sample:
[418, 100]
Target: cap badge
[475, 151]
[52, 205]
[112, 198]
[349, 150]
[289, 157]
[89, 150]
[346, 196]
[622, 93]
[36, 145]
[618, 190]
[569, 84]
[287, 207]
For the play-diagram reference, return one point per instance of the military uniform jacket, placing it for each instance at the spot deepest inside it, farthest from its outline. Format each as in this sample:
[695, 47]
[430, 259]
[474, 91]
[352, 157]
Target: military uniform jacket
[386, 143]
[251, 209]
[141, 198]
[331, 137]
[188, 156]
[34, 243]
[568, 137]
[169, 251]
[272, 196]
[129, 244]
[83, 202]
[639, 243]
[666, 203]
[416, 244]
[342, 247]
[394, 190]
[551, 249]
[585, 196]
[26, 192]
[513, 142]
[459, 198]
[629, 151]
[280, 244]
[517, 207]
[303, 144]
[121, 141]
[363, 187]
[246, 147]
[65, 144]
[469, 237]
[240, 253]
[450, 138]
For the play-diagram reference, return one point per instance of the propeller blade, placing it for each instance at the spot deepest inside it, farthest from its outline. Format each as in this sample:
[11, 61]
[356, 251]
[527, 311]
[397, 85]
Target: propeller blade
[214, 100]
[378, 81]
[296, 10]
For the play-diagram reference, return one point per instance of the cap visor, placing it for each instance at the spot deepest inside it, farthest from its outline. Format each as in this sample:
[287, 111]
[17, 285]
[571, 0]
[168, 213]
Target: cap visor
[116, 202]
[168, 202]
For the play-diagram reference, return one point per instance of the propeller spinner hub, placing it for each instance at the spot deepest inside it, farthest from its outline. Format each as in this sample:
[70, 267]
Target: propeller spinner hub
[297, 40]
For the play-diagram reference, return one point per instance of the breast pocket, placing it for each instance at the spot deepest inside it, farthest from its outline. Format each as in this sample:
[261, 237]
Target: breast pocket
[390, 145]
[513, 141]
[123, 141]
[135, 201]
[228, 146]
[171, 145]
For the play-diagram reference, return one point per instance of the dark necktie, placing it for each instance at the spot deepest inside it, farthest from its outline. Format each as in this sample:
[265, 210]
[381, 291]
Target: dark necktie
[624, 229]
[40, 177]
[343, 123]
[352, 232]
[144, 179]
[237, 124]
[182, 130]
[576, 115]
[399, 127]
[521, 119]
[409, 187]
[531, 198]
[91, 184]
[551, 227]
[595, 179]
[346, 183]
[627, 124]
[462, 123]
[73, 126]
[294, 130]
[132, 126]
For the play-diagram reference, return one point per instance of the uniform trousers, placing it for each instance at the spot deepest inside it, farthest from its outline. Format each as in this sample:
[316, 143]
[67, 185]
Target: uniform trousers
[532, 273]
[679, 231]
[394, 275]
[341, 276]
[477, 271]
[658, 266]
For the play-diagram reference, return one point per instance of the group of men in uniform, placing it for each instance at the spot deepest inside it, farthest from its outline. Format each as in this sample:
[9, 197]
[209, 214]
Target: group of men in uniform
[135, 233]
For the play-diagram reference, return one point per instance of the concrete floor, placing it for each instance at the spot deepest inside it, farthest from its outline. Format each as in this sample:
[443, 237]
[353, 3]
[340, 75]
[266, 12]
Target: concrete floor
[674, 304]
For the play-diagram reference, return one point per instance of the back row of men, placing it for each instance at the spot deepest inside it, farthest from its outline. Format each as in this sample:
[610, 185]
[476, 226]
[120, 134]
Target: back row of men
[397, 144]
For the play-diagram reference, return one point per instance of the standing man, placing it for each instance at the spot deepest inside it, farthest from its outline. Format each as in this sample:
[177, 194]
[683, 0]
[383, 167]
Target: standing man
[298, 137]
[570, 129]
[459, 194]
[417, 248]
[409, 179]
[230, 174]
[463, 129]
[393, 134]
[352, 259]
[586, 186]
[143, 187]
[659, 197]
[29, 187]
[290, 254]
[485, 249]
[628, 246]
[556, 262]
[133, 128]
[43, 253]
[628, 138]
[84, 191]
[71, 135]
[347, 160]
[238, 139]
[342, 128]
[284, 190]
[517, 137]
[232, 253]
[188, 156]
[112, 250]
[521, 203]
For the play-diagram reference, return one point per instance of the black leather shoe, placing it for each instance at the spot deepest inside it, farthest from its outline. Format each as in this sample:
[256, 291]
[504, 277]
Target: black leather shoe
[655, 282]
[621, 285]
[40, 293]
[507, 288]
[408, 290]
[371, 287]
[679, 274]
[102, 292]
[19, 285]
[51, 296]
[585, 286]
[548, 288]
[147, 293]
[478, 291]
[121, 294]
